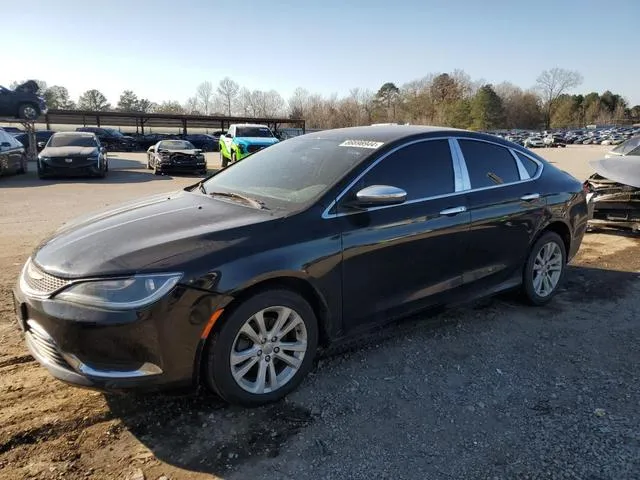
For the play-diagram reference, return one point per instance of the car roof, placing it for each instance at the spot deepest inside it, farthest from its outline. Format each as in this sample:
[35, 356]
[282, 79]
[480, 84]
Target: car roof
[74, 134]
[384, 133]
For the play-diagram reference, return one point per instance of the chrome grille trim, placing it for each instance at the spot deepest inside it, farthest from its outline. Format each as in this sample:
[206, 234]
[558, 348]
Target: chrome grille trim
[38, 283]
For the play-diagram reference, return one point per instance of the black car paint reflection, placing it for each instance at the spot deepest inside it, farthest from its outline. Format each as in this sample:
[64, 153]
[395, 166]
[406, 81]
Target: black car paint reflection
[357, 266]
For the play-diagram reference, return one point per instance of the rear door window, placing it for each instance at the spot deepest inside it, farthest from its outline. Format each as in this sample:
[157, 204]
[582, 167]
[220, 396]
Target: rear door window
[488, 164]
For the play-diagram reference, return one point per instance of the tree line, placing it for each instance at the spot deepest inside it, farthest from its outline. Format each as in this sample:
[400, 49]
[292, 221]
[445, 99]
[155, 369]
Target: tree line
[448, 99]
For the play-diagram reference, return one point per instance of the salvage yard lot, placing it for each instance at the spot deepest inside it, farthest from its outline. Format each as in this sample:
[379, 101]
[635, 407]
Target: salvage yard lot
[489, 390]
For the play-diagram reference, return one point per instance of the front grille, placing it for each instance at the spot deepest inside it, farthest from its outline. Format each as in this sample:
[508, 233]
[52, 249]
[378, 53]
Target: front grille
[44, 344]
[76, 161]
[255, 148]
[182, 159]
[40, 282]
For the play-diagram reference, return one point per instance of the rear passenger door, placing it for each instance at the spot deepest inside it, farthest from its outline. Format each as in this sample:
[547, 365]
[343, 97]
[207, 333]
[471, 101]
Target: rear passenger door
[505, 207]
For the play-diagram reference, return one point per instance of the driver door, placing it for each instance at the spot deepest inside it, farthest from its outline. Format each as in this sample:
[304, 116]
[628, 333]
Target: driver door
[401, 258]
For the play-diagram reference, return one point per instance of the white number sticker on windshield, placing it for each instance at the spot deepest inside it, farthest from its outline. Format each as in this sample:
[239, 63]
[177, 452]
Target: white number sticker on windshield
[361, 144]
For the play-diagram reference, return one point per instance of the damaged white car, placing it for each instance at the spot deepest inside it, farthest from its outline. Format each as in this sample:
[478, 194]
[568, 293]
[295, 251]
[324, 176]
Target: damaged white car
[613, 192]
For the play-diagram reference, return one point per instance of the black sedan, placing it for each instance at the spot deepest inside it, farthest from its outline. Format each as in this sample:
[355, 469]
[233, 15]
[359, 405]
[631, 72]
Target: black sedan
[73, 154]
[175, 156]
[238, 280]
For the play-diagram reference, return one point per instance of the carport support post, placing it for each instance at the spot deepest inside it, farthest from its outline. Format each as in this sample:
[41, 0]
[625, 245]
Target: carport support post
[32, 151]
[46, 119]
[184, 126]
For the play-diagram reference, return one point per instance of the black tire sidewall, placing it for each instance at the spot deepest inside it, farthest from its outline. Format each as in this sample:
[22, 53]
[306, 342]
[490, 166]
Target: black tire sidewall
[529, 291]
[217, 371]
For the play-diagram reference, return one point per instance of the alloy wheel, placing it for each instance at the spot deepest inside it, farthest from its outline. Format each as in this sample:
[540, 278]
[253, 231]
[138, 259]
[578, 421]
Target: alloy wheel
[268, 350]
[547, 269]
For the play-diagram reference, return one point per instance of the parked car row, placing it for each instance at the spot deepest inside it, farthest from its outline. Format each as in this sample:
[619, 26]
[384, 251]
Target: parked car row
[562, 138]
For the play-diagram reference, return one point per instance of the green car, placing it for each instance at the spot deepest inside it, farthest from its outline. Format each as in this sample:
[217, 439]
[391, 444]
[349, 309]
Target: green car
[242, 140]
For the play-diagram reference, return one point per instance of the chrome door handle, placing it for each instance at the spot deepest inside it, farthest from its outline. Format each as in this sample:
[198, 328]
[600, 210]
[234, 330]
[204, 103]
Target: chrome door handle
[531, 196]
[453, 211]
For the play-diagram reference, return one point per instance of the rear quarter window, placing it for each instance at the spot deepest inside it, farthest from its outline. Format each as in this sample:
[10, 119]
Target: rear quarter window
[488, 164]
[531, 166]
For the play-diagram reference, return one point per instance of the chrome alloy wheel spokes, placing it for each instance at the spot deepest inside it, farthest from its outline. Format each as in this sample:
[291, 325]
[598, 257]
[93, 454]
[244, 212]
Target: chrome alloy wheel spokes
[268, 350]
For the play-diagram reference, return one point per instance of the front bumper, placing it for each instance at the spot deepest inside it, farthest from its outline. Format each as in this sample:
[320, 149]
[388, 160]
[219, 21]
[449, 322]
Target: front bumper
[153, 348]
[83, 170]
[182, 166]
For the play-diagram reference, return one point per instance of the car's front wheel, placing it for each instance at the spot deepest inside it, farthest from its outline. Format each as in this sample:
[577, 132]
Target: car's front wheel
[544, 270]
[263, 350]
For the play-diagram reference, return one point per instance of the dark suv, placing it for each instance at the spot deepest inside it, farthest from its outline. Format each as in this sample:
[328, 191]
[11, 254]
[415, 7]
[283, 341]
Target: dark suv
[23, 102]
[112, 139]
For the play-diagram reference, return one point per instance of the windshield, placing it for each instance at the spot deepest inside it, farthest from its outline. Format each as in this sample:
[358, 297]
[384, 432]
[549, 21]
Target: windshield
[253, 132]
[291, 173]
[114, 132]
[627, 146]
[176, 145]
[72, 141]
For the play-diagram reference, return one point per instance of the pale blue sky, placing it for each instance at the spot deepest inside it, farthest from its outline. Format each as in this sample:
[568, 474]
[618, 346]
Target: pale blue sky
[163, 49]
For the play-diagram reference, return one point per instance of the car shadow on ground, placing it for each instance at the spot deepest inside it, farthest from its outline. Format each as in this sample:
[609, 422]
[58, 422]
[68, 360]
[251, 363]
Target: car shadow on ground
[116, 175]
[197, 431]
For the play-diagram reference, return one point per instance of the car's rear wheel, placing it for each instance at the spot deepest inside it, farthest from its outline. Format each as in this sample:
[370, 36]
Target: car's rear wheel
[544, 269]
[263, 349]
[28, 111]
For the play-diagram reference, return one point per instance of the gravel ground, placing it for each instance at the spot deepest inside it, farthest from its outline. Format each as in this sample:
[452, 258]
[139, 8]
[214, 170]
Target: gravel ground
[489, 390]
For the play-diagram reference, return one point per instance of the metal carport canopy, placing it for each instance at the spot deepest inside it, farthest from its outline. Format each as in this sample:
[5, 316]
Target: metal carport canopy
[142, 120]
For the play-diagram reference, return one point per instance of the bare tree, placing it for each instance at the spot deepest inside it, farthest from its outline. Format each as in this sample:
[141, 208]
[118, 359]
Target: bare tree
[204, 96]
[228, 91]
[553, 83]
[192, 106]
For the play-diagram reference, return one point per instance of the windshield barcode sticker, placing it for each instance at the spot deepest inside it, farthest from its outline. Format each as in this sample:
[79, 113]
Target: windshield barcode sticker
[361, 144]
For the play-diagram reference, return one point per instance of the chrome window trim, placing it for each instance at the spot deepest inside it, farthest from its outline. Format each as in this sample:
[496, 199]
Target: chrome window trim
[455, 148]
[524, 174]
[462, 183]
[456, 181]
[537, 175]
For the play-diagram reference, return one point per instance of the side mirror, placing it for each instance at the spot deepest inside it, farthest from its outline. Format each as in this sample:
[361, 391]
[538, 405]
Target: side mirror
[41, 144]
[380, 195]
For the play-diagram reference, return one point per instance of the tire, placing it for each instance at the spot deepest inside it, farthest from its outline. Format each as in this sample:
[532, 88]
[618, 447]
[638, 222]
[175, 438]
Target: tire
[27, 111]
[532, 294]
[218, 374]
[149, 163]
[223, 160]
[155, 169]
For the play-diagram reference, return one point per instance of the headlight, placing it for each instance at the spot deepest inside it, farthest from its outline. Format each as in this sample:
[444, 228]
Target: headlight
[43, 159]
[123, 293]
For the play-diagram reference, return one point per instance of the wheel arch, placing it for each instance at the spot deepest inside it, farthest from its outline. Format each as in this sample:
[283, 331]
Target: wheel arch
[559, 227]
[290, 281]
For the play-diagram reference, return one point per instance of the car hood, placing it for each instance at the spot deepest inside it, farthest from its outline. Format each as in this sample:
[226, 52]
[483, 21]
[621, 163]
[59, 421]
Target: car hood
[156, 233]
[256, 140]
[68, 151]
[621, 169]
